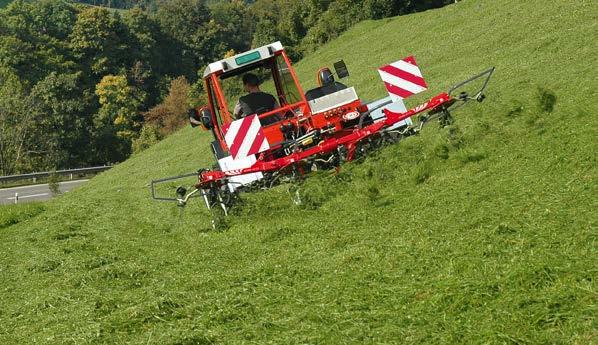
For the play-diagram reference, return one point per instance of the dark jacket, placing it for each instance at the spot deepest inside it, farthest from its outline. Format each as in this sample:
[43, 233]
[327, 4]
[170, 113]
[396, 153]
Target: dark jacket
[257, 103]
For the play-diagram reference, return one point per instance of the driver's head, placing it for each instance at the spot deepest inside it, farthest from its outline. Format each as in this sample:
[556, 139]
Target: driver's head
[325, 76]
[250, 82]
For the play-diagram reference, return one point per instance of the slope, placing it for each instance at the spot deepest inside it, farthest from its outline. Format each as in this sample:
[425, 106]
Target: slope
[479, 233]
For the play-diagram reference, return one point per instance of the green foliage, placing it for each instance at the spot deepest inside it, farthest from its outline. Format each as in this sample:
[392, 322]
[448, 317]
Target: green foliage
[339, 17]
[149, 135]
[17, 126]
[64, 124]
[58, 53]
[54, 18]
[30, 44]
[232, 26]
[122, 4]
[98, 41]
[304, 25]
[205, 34]
[117, 121]
[54, 183]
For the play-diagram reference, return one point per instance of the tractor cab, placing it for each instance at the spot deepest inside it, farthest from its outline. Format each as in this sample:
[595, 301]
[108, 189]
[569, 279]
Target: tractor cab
[328, 108]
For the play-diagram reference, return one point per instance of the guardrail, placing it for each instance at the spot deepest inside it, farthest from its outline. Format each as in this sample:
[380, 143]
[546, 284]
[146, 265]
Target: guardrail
[70, 173]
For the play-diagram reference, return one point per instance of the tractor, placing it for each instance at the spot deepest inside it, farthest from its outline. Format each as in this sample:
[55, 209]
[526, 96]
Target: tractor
[306, 130]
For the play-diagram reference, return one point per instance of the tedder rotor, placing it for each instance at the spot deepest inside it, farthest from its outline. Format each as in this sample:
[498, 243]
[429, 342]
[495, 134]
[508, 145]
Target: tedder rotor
[301, 131]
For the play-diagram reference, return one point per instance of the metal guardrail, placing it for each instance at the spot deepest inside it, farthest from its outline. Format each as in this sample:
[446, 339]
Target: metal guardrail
[70, 172]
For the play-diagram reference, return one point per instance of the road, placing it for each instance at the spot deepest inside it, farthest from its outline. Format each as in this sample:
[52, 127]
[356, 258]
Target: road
[38, 192]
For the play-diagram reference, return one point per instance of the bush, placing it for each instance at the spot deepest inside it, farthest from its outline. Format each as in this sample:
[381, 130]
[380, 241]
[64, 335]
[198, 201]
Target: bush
[171, 114]
[54, 183]
[149, 136]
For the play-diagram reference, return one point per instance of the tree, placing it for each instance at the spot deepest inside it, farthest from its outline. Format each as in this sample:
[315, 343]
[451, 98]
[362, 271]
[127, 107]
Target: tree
[54, 183]
[33, 36]
[99, 41]
[17, 125]
[117, 122]
[154, 57]
[65, 121]
[232, 26]
[186, 21]
[287, 21]
[123, 4]
[53, 18]
[171, 114]
[211, 31]
[340, 15]
[149, 136]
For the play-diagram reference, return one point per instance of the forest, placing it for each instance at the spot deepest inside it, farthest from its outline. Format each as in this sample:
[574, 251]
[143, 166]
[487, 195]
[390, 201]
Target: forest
[91, 82]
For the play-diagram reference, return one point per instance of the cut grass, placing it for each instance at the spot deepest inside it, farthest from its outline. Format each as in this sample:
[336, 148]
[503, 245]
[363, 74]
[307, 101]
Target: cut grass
[14, 214]
[483, 232]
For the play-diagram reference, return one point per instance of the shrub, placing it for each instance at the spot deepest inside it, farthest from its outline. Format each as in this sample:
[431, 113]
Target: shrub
[54, 183]
[171, 114]
[149, 136]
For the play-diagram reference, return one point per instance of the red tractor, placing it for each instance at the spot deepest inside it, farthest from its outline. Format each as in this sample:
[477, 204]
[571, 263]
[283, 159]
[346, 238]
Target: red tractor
[300, 131]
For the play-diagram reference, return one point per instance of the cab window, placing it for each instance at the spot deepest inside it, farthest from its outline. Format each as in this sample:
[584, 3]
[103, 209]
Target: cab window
[232, 87]
[290, 93]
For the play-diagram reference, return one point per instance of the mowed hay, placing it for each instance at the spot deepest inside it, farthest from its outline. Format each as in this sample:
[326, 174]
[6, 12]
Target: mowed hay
[482, 232]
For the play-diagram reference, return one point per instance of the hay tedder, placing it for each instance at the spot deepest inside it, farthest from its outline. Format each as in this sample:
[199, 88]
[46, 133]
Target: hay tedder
[304, 131]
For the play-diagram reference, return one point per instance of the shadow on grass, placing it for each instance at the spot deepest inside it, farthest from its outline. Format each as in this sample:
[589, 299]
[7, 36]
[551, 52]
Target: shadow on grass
[14, 214]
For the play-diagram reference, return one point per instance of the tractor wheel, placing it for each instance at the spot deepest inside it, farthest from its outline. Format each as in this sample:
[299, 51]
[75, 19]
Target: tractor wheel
[391, 138]
[362, 148]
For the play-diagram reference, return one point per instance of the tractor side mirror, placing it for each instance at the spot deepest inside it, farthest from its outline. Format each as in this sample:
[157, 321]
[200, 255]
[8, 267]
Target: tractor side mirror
[201, 117]
[341, 69]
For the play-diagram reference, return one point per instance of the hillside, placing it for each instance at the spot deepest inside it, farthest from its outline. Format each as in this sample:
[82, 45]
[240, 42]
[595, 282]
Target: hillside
[479, 233]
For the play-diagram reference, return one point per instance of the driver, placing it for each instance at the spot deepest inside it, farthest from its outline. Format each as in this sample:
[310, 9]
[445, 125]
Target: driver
[256, 101]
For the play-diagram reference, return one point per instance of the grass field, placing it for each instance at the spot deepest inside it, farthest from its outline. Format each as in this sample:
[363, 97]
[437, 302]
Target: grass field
[13, 214]
[479, 233]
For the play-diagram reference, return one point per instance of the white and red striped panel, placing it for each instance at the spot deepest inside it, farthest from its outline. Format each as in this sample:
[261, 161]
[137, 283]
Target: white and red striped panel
[245, 137]
[403, 78]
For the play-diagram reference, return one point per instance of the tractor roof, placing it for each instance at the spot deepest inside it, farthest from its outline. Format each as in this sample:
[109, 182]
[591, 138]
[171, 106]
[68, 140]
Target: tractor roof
[241, 60]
